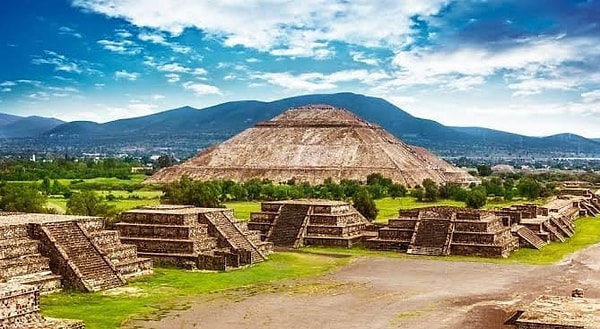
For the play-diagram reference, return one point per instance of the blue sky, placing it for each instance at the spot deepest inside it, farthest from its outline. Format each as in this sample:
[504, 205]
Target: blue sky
[531, 67]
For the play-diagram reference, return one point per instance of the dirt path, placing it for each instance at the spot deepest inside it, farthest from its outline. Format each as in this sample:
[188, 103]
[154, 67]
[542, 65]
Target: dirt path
[392, 293]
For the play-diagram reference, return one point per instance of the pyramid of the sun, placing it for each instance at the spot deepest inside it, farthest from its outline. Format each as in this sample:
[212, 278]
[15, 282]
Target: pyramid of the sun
[312, 143]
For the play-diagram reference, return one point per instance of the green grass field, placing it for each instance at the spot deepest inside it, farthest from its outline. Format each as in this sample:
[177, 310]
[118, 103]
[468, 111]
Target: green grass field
[170, 287]
[242, 209]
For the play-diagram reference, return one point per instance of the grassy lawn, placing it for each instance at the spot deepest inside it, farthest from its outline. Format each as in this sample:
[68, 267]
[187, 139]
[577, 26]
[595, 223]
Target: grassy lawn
[242, 209]
[124, 204]
[169, 287]
[141, 194]
[134, 179]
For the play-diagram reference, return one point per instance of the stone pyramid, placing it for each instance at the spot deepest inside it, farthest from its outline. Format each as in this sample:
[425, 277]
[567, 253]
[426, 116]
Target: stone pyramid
[312, 143]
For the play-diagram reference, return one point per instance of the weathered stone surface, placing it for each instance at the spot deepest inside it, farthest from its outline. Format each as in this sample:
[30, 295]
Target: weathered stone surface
[446, 230]
[45, 249]
[313, 143]
[554, 312]
[293, 223]
[191, 237]
[19, 309]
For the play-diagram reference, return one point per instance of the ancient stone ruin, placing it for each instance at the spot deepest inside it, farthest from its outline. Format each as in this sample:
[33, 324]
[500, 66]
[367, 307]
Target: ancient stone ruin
[55, 251]
[445, 231]
[558, 313]
[462, 231]
[313, 143]
[191, 237]
[296, 223]
[20, 309]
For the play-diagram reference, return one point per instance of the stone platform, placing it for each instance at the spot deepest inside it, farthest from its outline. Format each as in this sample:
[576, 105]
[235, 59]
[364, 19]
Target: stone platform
[19, 309]
[294, 223]
[192, 237]
[55, 251]
[444, 231]
[558, 313]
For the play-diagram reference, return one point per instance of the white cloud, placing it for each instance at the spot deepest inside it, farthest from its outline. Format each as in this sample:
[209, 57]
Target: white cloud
[172, 77]
[591, 96]
[152, 37]
[360, 57]
[134, 109]
[286, 28]
[6, 89]
[8, 84]
[65, 30]
[60, 62]
[315, 81]
[123, 47]
[201, 89]
[123, 74]
[157, 97]
[173, 67]
[537, 86]
[199, 71]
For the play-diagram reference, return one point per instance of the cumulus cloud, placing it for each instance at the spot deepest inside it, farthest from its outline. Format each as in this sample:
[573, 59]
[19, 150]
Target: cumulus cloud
[172, 77]
[123, 74]
[591, 96]
[123, 47]
[201, 89]
[285, 28]
[315, 81]
[173, 67]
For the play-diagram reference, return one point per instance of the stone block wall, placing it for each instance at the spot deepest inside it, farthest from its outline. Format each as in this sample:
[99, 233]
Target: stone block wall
[19, 309]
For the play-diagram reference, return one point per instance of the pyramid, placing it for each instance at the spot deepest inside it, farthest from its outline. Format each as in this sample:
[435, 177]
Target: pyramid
[312, 143]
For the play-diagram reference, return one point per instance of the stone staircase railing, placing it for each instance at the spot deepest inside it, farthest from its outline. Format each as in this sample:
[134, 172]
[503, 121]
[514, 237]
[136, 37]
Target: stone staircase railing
[553, 231]
[233, 235]
[531, 238]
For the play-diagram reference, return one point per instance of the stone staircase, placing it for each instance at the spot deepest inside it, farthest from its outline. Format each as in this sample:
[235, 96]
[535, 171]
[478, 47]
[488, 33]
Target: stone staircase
[531, 238]
[564, 229]
[591, 208]
[123, 256]
[232, 234]
[288, 226]
[431, 237]
[91, 269]
[21, 261]
[553, 231]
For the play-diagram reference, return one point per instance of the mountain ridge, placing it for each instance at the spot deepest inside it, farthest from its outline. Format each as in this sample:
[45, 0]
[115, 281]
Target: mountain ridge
[194, 129]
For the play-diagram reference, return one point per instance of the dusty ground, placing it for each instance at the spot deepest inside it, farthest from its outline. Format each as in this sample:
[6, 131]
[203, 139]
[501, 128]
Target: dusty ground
[392, 293]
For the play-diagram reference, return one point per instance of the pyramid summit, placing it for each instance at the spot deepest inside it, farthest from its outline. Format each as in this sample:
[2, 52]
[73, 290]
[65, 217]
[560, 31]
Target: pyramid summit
[312, 143]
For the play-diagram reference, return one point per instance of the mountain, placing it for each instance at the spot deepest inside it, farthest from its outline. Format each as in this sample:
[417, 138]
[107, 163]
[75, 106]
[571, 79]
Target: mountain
[19, 127]
[186, 130]
[233, 117]
[8, 118]
[555, 143]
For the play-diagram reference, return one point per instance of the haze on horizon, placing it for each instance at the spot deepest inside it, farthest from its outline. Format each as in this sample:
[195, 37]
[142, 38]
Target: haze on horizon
[529, 67]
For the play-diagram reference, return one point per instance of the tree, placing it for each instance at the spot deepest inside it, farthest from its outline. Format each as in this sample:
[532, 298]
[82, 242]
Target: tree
[529, 188]
[364, 204]
[21, 198]
[164, 161]
[88, 203]
[188, 192]
[418, 193]
[431, 190]
[484, 170]
[397, 190]
[476, 197]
